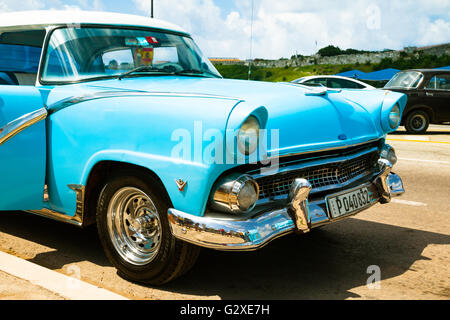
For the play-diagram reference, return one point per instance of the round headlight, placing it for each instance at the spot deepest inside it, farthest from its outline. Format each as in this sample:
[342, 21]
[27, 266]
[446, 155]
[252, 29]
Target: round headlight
[235, 194]
[248, 136]
[247, 196]
[394, 117]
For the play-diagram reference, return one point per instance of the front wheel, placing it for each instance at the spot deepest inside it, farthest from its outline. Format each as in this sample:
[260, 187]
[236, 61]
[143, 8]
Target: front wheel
[417, 122]
[135, 234]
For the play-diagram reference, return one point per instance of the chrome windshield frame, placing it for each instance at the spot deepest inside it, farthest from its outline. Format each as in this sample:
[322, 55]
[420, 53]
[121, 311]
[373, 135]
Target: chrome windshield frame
[52, 29]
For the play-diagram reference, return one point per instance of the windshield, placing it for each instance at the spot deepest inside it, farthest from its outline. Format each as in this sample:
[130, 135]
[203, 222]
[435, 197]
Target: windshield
[76, 54]
[408, 80]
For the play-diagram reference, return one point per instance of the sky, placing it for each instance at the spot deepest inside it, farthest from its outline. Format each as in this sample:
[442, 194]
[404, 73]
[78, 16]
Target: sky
[282, 28]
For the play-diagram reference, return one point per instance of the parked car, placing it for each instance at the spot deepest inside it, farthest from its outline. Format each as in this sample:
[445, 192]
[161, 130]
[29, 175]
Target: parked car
[428, 92]
[334, 82]
[120, 121]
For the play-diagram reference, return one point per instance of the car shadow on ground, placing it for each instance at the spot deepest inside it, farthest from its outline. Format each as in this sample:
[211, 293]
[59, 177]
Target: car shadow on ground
[324, 264]
[71, 244]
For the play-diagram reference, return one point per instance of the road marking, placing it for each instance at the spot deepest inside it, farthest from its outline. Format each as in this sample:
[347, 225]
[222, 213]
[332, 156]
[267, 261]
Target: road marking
[422, 160]
[410, 140]
[409, 203]
[417, 138]
[67, 287]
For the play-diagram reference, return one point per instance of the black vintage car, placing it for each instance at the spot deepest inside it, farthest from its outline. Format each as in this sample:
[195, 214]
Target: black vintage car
[428, 93]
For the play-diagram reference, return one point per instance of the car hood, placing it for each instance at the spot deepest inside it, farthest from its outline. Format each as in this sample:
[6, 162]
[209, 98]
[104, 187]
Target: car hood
[305, 121]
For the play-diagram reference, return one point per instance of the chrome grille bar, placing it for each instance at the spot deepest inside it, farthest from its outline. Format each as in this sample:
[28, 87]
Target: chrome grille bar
[323, 175]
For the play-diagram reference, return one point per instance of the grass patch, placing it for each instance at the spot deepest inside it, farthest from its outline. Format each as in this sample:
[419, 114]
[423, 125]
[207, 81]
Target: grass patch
[412, 61]
[285, 74]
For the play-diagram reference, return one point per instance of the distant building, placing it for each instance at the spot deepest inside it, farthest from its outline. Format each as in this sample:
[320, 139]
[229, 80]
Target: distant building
[226, 60]
[410, 49]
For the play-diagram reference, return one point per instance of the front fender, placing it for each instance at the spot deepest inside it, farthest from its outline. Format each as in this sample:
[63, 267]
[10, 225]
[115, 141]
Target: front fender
[199, 176]
[378, 103]
[143, 131]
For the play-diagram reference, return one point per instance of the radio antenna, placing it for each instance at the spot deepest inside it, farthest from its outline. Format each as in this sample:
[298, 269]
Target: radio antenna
[251, 45]
[151, 9]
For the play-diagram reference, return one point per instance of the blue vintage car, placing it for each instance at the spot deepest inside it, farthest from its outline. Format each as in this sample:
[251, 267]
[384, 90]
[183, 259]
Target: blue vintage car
[121, 121]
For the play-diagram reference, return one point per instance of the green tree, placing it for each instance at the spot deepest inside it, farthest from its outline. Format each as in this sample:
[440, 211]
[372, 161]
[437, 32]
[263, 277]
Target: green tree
[330, 51]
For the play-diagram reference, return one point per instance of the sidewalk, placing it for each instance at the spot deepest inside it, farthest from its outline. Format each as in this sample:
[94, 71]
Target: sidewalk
[21, 279]
[13, 288]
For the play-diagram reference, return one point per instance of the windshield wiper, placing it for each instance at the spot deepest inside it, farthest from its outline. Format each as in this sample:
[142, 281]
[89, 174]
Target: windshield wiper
[142, 69]
[162, 71]
[196, 71]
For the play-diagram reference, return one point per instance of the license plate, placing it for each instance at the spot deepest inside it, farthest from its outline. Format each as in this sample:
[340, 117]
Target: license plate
[346, 203]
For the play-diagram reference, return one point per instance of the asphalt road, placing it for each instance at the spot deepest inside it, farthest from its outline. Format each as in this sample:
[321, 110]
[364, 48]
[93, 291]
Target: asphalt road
[408, 239]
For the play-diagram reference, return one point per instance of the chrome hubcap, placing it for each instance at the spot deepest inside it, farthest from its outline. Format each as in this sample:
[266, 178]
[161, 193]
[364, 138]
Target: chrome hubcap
[134, 226]
[418, 122]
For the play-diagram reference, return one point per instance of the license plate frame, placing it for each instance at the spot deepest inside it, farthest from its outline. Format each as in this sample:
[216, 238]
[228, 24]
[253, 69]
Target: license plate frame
[343, 203]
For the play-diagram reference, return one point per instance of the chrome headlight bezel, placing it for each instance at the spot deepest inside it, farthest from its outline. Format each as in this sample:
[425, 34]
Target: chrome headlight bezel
[227, 195]
[248, 135]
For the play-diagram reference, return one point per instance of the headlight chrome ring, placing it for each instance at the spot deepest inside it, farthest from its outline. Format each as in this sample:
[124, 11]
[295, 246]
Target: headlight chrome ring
[235, 194]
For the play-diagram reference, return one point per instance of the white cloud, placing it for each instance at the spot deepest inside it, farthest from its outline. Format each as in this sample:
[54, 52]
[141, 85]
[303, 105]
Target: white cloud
[284, 27]
[14, 5]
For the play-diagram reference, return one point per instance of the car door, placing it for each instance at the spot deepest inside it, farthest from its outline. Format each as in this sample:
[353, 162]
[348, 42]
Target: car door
[437, 96]
[22, 148]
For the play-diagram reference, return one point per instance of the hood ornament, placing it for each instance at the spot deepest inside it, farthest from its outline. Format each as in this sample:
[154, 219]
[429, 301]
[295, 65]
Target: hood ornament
[320, 91]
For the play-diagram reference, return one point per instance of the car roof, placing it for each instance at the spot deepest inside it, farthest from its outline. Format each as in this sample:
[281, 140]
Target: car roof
[332, 76]
[327, 76]
[429, 71]
[73, 17]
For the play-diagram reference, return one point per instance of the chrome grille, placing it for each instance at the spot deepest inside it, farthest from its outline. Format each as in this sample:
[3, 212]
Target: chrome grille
[323, 176]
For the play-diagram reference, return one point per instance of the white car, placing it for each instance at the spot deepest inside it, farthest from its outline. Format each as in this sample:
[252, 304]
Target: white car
[334, 82]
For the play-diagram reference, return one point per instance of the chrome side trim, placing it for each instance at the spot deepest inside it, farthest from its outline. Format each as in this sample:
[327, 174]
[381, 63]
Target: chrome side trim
[119, 94]
[18, 125]
[237, 234]
[46, 198]
[47, 213]
[77, 219]
[79, 190]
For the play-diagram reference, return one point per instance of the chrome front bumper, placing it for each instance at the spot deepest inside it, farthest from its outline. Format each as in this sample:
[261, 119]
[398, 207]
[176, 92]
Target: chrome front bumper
[300, 215]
